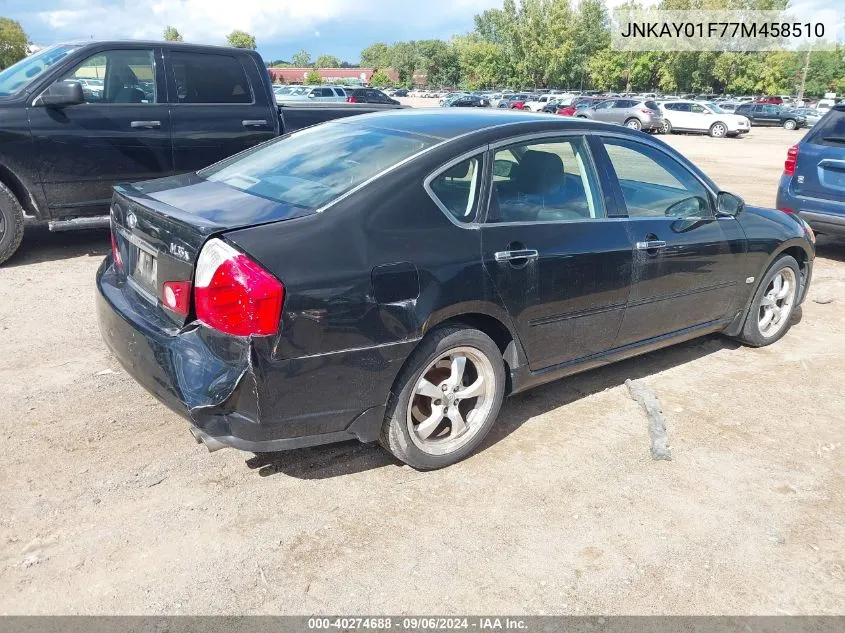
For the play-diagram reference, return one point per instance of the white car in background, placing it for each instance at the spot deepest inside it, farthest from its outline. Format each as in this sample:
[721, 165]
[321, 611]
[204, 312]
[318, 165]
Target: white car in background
[539, 102]
[705, 118]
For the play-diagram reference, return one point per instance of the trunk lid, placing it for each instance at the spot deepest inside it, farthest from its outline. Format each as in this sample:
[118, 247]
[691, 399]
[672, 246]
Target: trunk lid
[160, 226]
[820, 170]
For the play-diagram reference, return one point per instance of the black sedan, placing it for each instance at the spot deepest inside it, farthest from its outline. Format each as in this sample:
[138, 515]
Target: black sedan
[469, 101]
[394, 276]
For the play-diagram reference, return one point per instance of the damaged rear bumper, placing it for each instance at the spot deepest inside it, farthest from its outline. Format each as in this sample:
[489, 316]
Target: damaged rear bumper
[232, 389]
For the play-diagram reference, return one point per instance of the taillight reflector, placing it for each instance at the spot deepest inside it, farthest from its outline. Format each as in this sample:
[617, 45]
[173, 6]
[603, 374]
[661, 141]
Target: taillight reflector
[234, 294]
[176, 296]
[791, 161]
[115, 251]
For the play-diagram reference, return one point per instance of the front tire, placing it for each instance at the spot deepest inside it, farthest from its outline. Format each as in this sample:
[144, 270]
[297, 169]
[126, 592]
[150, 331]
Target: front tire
[769, 316]
[634, 124]
[790, 124]
[718, 130]
[446, 398]
[11, 223]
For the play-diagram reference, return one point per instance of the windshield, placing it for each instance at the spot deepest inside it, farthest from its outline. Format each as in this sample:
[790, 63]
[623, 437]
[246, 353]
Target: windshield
[315, 166]
[715, 109]
[18, 76]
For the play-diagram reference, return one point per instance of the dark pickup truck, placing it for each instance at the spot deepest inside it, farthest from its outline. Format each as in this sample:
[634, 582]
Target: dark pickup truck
[78, 118]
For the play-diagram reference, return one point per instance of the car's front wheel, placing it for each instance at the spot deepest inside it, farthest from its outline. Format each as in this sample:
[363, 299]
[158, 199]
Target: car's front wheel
[718, 130]
[773, 304]
[11, 223]
[446, 398]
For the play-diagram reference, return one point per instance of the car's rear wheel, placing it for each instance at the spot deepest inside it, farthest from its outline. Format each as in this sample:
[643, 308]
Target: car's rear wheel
[718, 130]
[11, 223]
[667, 126]
[446, 398]
[790, 124]
[773, 304]
[634, 124]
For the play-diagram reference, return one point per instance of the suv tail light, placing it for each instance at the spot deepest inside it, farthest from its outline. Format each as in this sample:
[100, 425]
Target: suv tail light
[115, 251]
[791, 161]
[234, 294]
[351, 99]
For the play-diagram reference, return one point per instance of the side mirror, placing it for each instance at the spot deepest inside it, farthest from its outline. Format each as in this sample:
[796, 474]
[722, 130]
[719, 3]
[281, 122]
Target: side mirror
[503, 168]
[728, 204]
[60, 94]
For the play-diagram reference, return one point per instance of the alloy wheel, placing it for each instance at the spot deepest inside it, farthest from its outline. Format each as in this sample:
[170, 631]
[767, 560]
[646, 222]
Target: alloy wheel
[719, 130]
[634, 124]
[776, 303]
[451, 400]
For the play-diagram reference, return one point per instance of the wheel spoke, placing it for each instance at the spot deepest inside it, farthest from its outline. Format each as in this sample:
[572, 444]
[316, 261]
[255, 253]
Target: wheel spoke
[459, 425]
[777, 285]
[473, 391]
[768, 315]
[430, 424]
[427, 389]
[767, 301]
[784, 291]
[458, 365]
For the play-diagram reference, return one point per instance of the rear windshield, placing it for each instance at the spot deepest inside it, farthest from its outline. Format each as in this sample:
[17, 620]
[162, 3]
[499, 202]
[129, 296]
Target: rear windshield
[314, 166]
[830, 130]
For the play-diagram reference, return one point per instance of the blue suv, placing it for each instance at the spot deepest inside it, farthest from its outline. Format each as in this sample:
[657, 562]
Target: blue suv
[813, 181]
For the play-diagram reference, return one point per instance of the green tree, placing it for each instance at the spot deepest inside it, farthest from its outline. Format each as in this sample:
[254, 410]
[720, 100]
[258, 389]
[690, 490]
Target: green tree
[13, 42]
[376, 56]
[327, 61]
[241, 39]
[380, 79]
[403, 57]
[302, 59]
[480, 61]
[313, 77]
[171, 34]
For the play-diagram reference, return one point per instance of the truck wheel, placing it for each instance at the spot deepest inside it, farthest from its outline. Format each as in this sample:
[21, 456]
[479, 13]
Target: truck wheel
[445, 399]
[11, 223]
[790, 124]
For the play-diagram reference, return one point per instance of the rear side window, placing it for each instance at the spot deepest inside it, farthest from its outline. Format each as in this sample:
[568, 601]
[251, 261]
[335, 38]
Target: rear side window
[830, 130]
[209, 78]
[316, 165]
[456, 189]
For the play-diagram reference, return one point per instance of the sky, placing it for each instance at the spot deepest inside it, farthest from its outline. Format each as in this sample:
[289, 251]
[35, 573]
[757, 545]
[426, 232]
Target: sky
[281, 27]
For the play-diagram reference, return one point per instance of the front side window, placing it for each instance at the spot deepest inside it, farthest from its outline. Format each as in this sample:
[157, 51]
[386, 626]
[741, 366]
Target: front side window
[456, 189]
[209, 78]
[654, 184]
[544, 181]
[316, 165]
[119, 76]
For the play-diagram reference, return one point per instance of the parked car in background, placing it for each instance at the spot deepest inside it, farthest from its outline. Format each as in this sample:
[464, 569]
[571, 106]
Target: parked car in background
[401, 92]
[469, 101]
[632, 113]
[317, 94]
[771, 115]
[728, 106]
[811, 115]
[368, 95]
[774, 100]
[539, 102]
[706, 118]
[813, 180]
[233, 329]
[513, 101]
[578, 103]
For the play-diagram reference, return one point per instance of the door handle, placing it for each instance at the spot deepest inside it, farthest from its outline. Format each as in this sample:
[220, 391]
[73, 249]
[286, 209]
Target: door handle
[145, 124]
[506, 256]
[254, 123]
[650, 245]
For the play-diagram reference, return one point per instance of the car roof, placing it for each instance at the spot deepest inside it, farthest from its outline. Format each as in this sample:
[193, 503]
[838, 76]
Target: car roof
[449, 123]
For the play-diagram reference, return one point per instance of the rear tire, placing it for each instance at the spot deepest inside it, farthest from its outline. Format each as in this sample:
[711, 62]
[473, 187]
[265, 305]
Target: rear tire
[769, 316]
[11, 223]
[428, 424]
[790, 124]
[667, 126]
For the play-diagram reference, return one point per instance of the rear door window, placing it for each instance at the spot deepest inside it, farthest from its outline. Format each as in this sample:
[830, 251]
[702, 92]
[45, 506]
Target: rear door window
[209, 78]
[830, 130]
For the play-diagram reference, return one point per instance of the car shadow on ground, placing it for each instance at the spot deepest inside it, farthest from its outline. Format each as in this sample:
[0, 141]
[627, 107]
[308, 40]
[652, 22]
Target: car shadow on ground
[41, 245]
[830, 248]
[334, 460]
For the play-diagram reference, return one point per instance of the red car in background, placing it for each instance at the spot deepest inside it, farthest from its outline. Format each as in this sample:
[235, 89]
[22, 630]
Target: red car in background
[580, 102]
[771, 100]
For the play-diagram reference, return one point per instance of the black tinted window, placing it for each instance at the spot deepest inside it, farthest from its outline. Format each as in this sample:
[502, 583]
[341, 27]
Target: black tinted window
[651, 105]
[209, 78]
[830, 130]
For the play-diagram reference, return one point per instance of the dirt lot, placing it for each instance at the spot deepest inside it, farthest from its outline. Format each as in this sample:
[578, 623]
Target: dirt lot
[110, 507]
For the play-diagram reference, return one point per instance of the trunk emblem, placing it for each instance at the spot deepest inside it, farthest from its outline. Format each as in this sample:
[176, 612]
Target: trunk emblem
[131, 220]
[801, 180]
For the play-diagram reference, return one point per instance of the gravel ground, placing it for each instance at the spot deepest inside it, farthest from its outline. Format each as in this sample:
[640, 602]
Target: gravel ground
[110, 507]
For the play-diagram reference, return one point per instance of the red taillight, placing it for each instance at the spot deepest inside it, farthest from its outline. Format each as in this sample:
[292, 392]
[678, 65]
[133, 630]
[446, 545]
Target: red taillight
[785, 210]
[115, 251]
[234, 294]
[791, 161]
[351, 100]
[176, 296]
